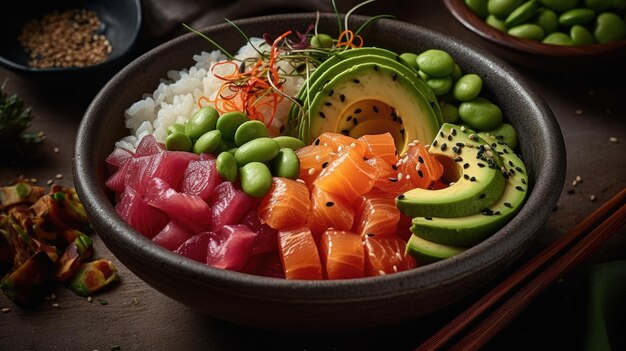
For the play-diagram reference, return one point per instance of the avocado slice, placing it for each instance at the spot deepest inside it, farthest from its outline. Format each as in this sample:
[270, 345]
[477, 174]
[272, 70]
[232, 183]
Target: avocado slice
[371, 91]
[327, 79]
[425, 251]
[474, 168]
[472, 229]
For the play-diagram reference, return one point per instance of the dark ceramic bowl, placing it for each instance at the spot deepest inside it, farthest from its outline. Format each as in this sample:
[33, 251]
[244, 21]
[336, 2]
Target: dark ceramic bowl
[592, 58]
[121, 23]
[313, 305]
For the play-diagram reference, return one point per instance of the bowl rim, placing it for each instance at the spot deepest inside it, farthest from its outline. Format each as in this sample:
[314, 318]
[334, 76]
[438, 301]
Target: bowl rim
[470, 20]
[111, 59]
[94, 198]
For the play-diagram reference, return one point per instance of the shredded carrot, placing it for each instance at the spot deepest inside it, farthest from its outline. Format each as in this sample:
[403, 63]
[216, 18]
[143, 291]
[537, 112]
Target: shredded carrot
[349, 39]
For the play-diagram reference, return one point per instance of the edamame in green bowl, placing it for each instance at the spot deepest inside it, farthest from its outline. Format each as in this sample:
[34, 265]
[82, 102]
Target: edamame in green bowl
[550, 34]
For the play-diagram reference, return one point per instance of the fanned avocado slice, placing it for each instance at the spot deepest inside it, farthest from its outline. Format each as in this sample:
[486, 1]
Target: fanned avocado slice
[371, 91]
[325, 78]
[425, 251]
[470, 230]
[475, 169]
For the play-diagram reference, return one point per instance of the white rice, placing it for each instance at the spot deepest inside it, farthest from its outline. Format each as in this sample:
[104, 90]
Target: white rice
[175, 99]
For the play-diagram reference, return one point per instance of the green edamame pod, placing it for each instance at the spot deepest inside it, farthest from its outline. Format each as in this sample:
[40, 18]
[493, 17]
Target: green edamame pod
[208, 142]
[250, 130]
[226, 166]
[257, 150]
[467, 87]
[178, 142]
[176, 127]
[286, 164]
[480, 114]
[228, 124]
[527, 31]
[440, 86]
[285, 141]
[435, 63]
[201, 122]
[256, 179]
[479, 7]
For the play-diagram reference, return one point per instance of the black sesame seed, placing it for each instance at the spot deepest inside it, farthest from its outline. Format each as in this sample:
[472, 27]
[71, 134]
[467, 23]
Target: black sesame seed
[420, 173]
[402, 131]
[511, 163]
[512, 171]
[455, 149]
[342, 98]
[398, 58]
[494, 145]
[506, 175]
[435, 143]
[394, 76]
[460, 144]
[519, 188]
[317, 142]
[324, 164]
[442, 135]
[449, 137]
[328, 103]
[400, 120]
[356, 81]
[428, 218]
[458, 159]
[519, 169]
[506, 151]
[400, 197]
[357, 111]
[500, 153]
[375, 109]
[355, 121]
[453, 131]
[322, 114]
[481, 165]
[466, 166]
[444, 147]
[472, 179]
[331, 92]
[329, 204]
[523, 181]
[345, 132]
[349, 118]
[420, 159]
[497, 213]
[393, 180]
[507, 204]
[395, 152]
[370, 234]
[465, 176]
[395, 168]
[482, 196]
[376, 68]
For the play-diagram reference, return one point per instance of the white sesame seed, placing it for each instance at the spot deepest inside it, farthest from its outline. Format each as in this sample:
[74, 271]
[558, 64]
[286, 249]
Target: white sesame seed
[300, 180]
[317, 158]
[399, 176]
[53, 297]
[592, 198]
[489, 153]
[452, 183]
[56, 305]
[574, 183]
[325, 144]
[462, 128]
[487, 147]
[33, 180]
[408, 176]
[353, 145]
[614, 140]
[578, 112]
[311, 171]
[339, 148]
[59, 176]
[381, 272]
[395, 268]
[56, 150]
[89, 298]
[398, 256]
[49, 182]
[6, 310]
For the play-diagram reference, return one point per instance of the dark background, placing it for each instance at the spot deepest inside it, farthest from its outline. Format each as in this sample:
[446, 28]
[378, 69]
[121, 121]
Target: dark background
[588, 102]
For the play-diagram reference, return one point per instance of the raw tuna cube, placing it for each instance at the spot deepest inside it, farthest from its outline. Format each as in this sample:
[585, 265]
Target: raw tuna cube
[267, 238]
[228, 205]
[189, 210]
[266, 264]
[200, 178]
[172, 236]
[135, 211]
[117, 158]
[233, 248]
[168, 165]
[196, 247]
[116, 181]
[207, 157]
[149, 146]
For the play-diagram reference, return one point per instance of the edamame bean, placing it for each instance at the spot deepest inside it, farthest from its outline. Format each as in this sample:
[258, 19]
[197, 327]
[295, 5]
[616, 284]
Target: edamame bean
[496, 23]
[228, 124]
[457, 73]
[609, 28]
[250, 130]
[581, 36]
[410, 59]
[435, 63]
[285, 141]
[286, 164]
[226, 166]
[560, 5]
[449, 112]
[440, 86]
[257, 150]
[480, 114]
[467, 87]
[201, 122]
[178, 142]
[598, 5]
[527, 31]
[522, 13]
[256, 179]
[208, 142]
[576, 16]
[502, 8]
[478, 6]
[506, 133]
[558, 38]
[548, 20]
[176, 127]
[322, 41]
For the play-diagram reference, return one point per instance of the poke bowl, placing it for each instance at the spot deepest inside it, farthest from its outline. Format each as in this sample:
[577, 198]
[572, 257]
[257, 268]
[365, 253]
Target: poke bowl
[322, 291]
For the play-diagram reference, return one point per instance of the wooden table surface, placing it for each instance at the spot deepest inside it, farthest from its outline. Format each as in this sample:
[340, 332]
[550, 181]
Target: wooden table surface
[590, 109]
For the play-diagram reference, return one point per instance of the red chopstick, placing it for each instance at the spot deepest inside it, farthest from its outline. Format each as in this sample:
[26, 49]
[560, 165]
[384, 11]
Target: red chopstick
[500, 318]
